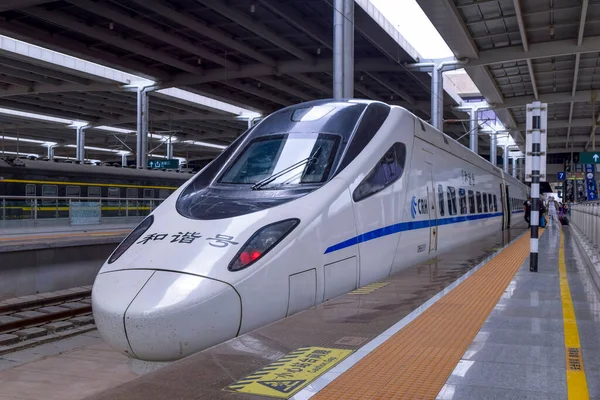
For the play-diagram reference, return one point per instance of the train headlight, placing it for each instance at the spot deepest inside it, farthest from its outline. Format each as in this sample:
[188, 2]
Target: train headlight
[129, 240]
[261, 243]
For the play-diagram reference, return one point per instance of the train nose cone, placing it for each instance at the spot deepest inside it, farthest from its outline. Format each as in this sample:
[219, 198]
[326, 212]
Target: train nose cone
[172, 315]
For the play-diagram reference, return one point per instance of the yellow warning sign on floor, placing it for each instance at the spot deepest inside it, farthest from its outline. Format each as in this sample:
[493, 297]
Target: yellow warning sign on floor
[370, 288]
[288, 375]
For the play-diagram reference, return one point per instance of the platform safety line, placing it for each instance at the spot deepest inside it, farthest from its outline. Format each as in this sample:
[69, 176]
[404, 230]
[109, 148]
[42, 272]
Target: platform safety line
[415, 362]
[577, 388]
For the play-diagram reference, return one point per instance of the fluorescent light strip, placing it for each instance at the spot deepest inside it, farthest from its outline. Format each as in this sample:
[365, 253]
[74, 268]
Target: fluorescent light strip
[205, 144]
[100, 149]
[18, 154]
[20, 139]
[29, 115]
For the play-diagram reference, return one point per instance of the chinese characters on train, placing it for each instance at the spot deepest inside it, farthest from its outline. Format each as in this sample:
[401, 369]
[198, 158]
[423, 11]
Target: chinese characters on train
[188, 238]
[468, 177]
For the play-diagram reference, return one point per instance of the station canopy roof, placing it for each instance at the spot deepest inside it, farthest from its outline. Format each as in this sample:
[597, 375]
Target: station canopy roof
[253, 55]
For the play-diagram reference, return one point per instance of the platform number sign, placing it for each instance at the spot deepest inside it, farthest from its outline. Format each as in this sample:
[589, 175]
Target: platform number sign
[561, 176]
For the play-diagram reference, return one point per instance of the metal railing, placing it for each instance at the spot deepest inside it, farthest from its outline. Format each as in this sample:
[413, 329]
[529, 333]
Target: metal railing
[586, 218]
[22, 211]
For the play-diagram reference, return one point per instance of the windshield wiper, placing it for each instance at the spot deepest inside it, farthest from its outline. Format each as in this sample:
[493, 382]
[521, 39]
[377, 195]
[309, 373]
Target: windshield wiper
[284, 171]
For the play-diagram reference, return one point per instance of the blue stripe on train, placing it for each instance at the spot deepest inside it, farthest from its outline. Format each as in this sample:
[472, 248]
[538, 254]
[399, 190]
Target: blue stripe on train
[407, 226]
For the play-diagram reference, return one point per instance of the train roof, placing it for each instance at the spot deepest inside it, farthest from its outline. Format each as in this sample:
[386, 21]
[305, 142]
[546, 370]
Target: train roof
[90, 170]
[439, 139]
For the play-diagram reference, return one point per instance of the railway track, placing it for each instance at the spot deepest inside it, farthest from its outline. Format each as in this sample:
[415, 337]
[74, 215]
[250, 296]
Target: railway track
[32, 320]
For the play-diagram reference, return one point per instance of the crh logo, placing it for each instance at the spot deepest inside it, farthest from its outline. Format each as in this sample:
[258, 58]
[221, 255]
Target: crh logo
[418, 206]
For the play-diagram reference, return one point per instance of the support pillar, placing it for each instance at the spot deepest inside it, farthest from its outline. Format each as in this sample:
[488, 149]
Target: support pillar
[142, 129]
[343, 49]
[473, 131]
[50, 153]
[514, 167]
[536, 136]
[505, 159]
[493, 148]
[123, 160]
[80, 150]
[169, 149]
[437, 98]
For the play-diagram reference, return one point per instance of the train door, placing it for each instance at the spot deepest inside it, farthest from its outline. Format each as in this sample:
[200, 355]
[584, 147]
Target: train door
[431, 200]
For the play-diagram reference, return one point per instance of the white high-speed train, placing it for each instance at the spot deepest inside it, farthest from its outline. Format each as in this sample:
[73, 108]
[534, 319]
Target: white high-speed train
[314, 201]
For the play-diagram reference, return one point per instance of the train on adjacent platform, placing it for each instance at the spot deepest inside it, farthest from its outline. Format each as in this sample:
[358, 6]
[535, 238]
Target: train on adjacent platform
[312, 202]
[21, 180]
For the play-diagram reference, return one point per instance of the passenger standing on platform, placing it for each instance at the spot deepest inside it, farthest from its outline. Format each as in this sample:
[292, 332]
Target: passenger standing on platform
[527, 209]
[552, 211]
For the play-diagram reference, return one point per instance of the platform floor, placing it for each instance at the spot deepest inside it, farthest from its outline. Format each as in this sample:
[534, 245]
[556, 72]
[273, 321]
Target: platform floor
[39, 238]
[347, 323]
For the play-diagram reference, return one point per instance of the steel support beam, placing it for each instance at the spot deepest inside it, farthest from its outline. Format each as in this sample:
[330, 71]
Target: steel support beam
[113, 38]
[343, 49]
[123, 160]
[169, 149]
[554, 48]
[493, 148]
[348, 48]
[50, 153]
[437, 69]
[112, 13]
[19, 4]
[80, 150]
[550, 98]
[142, 128]
[260, 30]
[473, 130]
[514, 167]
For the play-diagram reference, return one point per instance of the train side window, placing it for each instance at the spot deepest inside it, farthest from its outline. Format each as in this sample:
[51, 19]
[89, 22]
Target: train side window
[132, 193]
[148, 193]
[490, 202]
[73, 191]
[387, 171]
[478, 196]
[114, 192]
[485, 202]
[163, 193]
[441, 199]
[451, 200]
[30, 189]
[462, 194]
[94, 191]
[471, 202]
[495, 203]
[49, 191]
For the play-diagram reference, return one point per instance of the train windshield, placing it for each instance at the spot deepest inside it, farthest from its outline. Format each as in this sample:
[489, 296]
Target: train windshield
[282, 160]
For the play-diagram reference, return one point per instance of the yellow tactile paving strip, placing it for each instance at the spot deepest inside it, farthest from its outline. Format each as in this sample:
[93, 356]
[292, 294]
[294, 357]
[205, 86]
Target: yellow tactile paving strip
[416, 362]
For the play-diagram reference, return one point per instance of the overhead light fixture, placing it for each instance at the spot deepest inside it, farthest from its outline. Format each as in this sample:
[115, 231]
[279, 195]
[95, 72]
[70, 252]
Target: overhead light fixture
[18, 154]
[205, 144]
[20, 139]
[41, 117]
[96, 149]
[112, 129]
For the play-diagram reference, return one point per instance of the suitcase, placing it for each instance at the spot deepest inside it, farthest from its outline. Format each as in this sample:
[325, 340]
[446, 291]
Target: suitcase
[564, 220]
